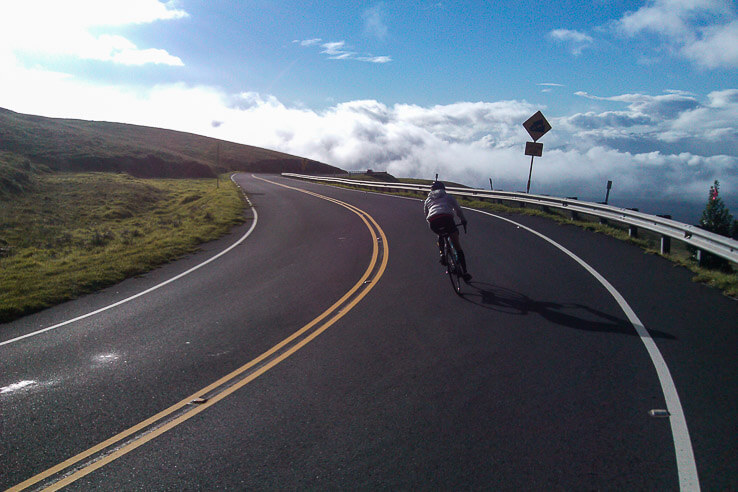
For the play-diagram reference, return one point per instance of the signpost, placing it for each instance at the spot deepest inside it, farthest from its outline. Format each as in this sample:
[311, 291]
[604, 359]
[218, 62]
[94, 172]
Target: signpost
[533, 149]
[536, 126]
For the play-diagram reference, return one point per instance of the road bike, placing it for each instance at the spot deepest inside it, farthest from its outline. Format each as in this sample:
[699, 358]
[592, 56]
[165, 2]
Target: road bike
[451, 260]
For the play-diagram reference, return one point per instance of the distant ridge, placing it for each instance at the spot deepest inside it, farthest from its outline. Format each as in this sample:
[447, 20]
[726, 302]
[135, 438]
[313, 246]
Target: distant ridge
[79, 145]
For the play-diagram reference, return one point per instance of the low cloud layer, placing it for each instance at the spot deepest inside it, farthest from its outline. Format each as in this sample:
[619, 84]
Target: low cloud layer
[664, 147]
[656, 147]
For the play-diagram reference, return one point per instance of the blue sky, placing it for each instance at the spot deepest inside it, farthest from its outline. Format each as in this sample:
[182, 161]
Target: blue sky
[644, 93]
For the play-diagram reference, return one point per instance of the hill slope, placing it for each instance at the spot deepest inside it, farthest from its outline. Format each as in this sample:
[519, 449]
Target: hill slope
[78, 145]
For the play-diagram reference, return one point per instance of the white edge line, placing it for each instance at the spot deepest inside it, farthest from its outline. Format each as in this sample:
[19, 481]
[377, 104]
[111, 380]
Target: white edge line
[686, 465]
[151, 289]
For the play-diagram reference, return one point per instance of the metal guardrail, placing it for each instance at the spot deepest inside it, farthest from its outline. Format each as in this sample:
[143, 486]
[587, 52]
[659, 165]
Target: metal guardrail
[667, 229]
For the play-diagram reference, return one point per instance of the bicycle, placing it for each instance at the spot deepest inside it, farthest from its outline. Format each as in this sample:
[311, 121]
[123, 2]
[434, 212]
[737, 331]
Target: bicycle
[451, 259]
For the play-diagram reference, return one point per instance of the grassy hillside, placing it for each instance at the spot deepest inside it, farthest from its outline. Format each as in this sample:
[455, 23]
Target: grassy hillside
[67, 234]
[77, 145]
[79, 210]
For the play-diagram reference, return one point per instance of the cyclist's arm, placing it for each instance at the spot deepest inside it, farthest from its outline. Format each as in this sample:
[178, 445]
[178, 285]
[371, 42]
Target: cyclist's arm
[426, 208]
[457, 209]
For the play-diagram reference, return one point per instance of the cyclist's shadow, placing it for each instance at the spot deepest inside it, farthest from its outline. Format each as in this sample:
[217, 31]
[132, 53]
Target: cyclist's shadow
[572, 315]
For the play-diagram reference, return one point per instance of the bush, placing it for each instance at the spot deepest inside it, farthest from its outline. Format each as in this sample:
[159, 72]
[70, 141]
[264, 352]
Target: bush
[717, 218]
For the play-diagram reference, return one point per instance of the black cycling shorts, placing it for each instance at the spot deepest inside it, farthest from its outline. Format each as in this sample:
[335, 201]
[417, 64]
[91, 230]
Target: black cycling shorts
[442, 224]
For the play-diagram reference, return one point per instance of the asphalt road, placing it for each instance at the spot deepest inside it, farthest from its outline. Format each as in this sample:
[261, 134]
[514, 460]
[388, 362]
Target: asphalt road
[535, 379]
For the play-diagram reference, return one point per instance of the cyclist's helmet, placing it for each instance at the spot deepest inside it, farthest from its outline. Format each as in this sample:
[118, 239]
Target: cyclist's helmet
[437, 185]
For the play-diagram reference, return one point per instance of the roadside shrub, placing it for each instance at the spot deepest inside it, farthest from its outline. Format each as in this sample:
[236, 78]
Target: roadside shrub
[716, 218]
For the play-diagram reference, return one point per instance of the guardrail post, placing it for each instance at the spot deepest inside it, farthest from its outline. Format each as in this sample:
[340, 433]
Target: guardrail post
[665, 245]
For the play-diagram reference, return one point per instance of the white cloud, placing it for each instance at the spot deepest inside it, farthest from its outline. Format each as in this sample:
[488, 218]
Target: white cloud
[548, 86]
[309, 42]
[718, 47]
[665, 105]
[375, 59]
[666, 146]
[703, 31]
[143, 57]
[48, 27]
[374, 24]
[339, 50]
[334, 48]
[568, 35]
[578, 40]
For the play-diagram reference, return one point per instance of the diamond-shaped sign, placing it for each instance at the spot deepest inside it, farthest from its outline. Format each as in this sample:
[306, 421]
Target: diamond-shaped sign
[537, 126]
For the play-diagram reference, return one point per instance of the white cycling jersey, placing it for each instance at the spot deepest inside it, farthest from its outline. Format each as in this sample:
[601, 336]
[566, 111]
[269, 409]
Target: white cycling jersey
[441, 203]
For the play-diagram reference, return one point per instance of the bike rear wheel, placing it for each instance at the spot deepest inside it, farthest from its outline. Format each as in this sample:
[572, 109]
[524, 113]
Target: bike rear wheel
[453, 268]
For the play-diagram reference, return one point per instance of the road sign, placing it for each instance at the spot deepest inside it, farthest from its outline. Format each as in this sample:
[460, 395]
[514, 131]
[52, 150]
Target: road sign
[537, 126]
[534, 149]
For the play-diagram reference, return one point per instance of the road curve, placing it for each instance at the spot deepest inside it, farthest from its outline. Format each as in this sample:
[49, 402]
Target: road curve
[534, 379]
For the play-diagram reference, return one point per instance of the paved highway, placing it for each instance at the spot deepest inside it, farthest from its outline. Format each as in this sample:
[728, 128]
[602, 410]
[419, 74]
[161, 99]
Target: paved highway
[326, 349]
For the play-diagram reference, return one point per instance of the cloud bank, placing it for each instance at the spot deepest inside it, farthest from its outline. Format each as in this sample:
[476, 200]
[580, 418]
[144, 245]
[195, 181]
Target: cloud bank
[664, 147]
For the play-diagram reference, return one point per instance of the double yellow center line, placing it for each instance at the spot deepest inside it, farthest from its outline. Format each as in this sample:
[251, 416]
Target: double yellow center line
[104, 453]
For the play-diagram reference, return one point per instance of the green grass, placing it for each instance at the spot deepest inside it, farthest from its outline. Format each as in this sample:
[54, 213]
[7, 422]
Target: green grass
[73, 219]
[65, 234]
[17, 174]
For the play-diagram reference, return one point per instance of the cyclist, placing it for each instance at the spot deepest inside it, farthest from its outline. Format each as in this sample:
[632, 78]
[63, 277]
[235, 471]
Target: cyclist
[439, 211]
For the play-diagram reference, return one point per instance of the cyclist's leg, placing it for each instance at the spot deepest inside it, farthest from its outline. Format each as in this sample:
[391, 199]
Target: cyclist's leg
[436, 227]
[442, 251]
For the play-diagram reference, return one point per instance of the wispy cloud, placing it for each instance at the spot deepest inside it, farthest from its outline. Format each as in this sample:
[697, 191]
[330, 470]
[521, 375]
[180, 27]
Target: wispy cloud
[549, 86]
[309, 42]
[702, 31]
[374, 24]
[375, 59]
[335, 50]
[339, 50]
[576, 39]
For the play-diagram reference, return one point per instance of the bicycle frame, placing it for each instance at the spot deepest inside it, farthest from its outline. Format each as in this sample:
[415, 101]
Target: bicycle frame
[453, 268]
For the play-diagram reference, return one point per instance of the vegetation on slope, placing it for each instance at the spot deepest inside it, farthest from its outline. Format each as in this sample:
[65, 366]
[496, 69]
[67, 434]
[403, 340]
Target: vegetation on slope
[77, 145]
[64, 239]
[76, 215]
